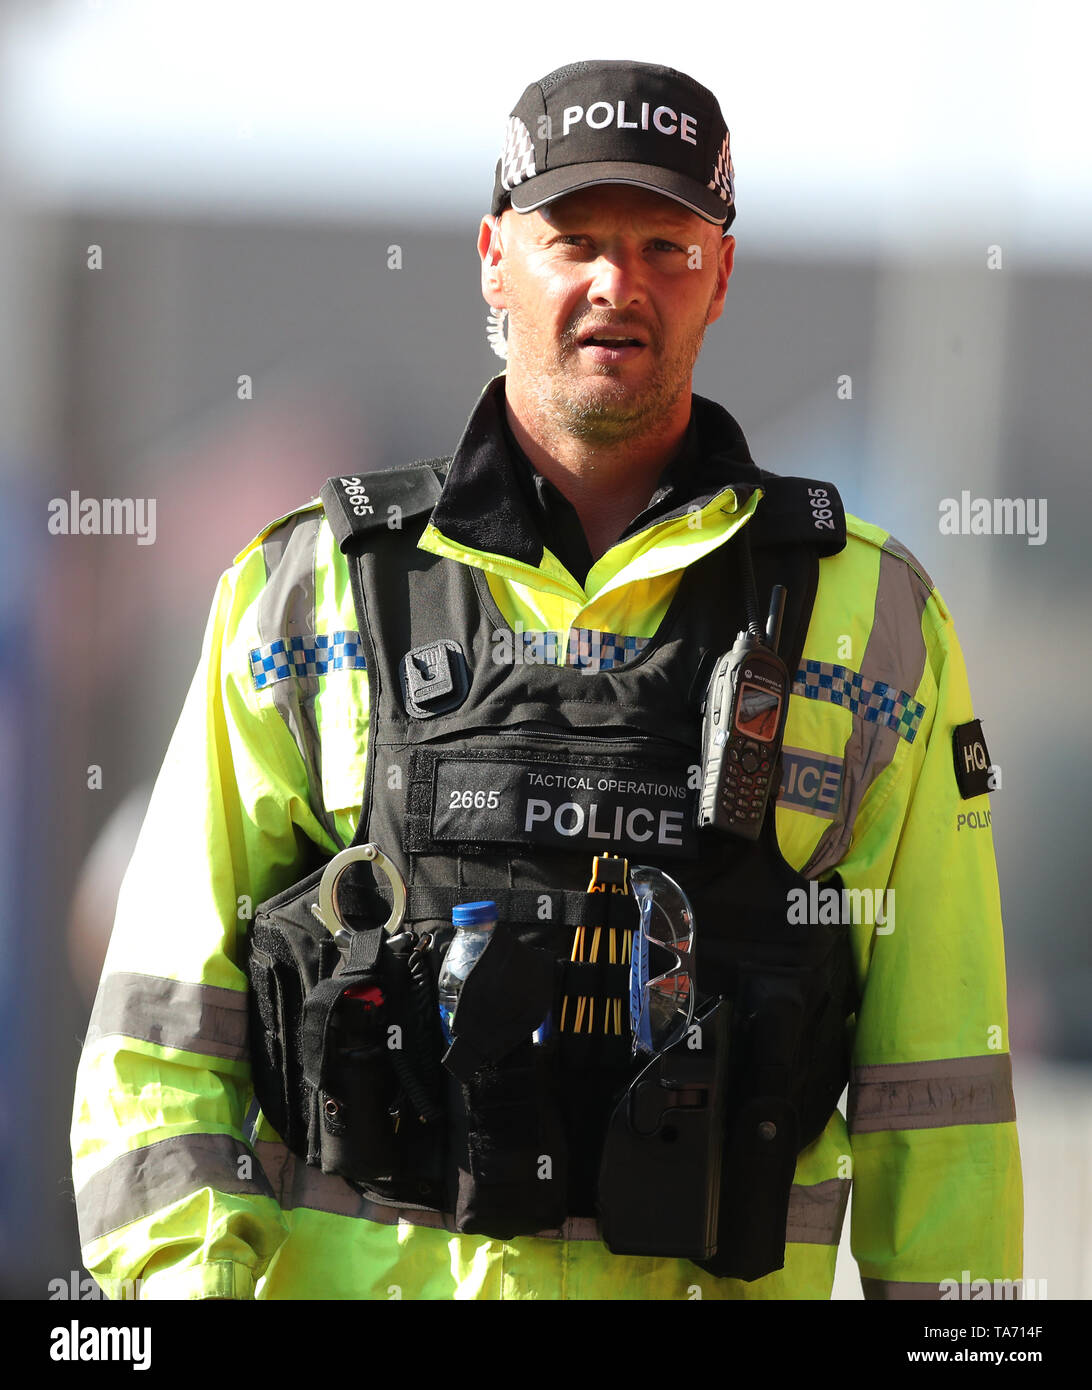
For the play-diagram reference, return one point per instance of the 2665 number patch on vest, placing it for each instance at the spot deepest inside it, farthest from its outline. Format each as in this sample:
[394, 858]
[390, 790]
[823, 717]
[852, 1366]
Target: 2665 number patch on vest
[589, 803]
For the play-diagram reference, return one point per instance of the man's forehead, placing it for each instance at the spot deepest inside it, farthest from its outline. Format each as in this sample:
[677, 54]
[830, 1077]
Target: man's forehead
[607, 203]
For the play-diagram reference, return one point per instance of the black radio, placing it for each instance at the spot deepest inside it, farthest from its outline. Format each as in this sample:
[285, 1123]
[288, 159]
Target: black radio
[745, 708]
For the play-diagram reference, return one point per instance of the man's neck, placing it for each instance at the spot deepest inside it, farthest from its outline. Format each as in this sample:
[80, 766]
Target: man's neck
[607, 484]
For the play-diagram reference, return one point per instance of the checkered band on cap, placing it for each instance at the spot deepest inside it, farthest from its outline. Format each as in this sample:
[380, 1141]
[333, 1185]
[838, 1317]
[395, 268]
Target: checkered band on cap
[722, 181]
[518, 159]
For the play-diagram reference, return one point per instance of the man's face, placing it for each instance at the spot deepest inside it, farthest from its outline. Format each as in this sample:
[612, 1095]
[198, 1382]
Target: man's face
[608, 293]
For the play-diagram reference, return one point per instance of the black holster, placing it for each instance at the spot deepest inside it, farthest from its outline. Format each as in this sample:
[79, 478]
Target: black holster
[660, 1177]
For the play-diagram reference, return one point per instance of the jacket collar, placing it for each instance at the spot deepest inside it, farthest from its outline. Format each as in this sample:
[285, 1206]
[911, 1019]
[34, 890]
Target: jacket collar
[482, 505]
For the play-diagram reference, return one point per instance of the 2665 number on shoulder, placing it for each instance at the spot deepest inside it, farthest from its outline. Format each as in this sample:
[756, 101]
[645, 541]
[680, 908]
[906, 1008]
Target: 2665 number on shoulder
[356, 494]
[820, 507]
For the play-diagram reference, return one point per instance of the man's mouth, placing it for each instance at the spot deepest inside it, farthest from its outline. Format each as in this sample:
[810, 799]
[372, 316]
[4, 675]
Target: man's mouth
[611, 345]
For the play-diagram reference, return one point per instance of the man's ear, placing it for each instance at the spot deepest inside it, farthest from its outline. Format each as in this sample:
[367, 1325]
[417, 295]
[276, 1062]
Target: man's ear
[491, 249]
[726, 252]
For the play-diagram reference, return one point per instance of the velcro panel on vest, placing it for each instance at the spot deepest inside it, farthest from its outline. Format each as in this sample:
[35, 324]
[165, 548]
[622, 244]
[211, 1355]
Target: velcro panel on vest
[799, 511]
[366, 502]
[549, 907]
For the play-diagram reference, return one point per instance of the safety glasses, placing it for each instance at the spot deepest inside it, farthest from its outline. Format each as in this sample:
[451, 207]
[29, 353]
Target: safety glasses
[661, 977]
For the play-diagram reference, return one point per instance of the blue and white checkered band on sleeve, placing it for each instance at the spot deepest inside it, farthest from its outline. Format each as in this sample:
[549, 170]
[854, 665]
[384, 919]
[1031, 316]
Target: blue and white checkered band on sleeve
[874, 701]
[723, 181]
[305, 656]
[518, 159]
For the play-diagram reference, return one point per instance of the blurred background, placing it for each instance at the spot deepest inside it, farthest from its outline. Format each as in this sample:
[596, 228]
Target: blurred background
[194, 194]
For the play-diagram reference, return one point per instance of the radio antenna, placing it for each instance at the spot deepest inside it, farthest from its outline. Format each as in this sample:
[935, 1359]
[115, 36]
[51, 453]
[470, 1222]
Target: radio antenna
[777, 612]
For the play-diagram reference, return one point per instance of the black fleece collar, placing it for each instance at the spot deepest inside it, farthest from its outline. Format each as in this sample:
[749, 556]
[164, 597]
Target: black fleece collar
[489, 504]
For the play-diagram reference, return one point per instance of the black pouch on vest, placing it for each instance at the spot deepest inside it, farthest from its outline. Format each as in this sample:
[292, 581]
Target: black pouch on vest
[289, 952]
[347, 1065]
[345, 1045]
[508, 1136]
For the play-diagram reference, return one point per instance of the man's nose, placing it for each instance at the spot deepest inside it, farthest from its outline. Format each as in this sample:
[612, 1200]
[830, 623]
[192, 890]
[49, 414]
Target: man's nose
[616, 280]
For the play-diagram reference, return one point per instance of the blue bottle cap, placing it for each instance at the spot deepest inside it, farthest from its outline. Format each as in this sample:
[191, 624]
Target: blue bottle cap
[474, 914]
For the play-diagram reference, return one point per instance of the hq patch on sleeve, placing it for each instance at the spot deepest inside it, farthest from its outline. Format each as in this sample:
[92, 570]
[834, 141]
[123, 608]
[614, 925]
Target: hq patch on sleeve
[972, 760]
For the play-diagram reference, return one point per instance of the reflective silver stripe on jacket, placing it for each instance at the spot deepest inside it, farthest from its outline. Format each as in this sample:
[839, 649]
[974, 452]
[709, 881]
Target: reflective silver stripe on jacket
[171, 1013]
[1007, 1289]
[893, 1289]
[143, 1182]
[895, 654]
[286, 609]
[931, 1095]
[816, 1213]
[896, 547]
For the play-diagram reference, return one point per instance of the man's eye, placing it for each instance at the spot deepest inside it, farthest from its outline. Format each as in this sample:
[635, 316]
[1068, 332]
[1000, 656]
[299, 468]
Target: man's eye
[662, 245]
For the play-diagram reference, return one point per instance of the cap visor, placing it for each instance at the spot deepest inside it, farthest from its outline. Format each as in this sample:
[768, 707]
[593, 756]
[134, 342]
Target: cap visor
[546, 187]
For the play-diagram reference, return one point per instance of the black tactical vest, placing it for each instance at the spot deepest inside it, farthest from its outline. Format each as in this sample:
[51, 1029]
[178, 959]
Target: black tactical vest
[494, 773]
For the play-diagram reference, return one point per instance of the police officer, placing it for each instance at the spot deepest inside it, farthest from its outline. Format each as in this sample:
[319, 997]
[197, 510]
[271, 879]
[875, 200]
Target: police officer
[493, 668]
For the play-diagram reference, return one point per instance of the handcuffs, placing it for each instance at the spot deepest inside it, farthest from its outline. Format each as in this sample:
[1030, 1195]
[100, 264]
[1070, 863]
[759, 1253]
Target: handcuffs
[326, 909]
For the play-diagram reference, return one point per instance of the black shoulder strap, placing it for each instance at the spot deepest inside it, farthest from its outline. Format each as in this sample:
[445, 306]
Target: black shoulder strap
[364, 502]
[799, 511]
[376, 506]
[798, 523]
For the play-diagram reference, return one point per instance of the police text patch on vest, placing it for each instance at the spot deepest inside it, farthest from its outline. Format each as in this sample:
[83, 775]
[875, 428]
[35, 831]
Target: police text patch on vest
[972, 761]
[608, 803]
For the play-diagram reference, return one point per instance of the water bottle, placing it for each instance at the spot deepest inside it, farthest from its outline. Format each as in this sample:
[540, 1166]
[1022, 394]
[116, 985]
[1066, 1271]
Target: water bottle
[473, 923]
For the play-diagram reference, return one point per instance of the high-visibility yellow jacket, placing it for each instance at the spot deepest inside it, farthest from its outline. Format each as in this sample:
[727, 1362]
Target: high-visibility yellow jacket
[181, 1184]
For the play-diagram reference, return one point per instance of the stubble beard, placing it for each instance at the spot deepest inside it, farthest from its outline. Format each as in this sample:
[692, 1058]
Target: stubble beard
[571, 404]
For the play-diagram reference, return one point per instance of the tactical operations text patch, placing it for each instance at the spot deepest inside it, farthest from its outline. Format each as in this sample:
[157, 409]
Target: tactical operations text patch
[595, 804]
[972, 760]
